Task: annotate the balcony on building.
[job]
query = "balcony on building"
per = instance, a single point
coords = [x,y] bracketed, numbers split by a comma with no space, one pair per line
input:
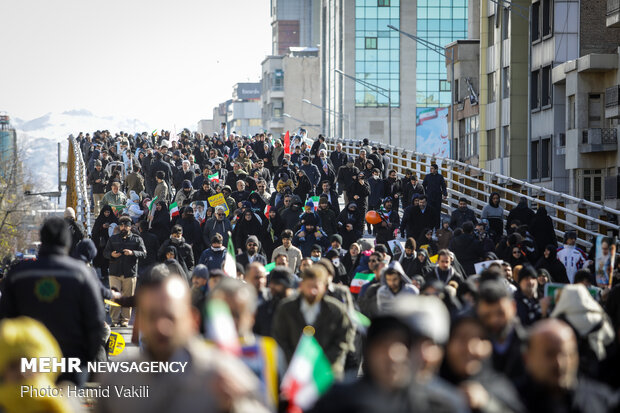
[598,140]
[613,13]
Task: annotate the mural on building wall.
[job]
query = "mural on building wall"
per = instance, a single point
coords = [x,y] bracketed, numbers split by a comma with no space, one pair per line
[432,135]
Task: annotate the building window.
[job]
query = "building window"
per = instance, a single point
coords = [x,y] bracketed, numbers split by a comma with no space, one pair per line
[456,90]
[540,158]
[535,92]
[546,88]
[371,43]
[377,52]
[547,18]
[491,145]
[561,140]
[595,111]
[571,112]
[444,85]
[278,79]
[592,185]
[506,82]
[471,136]
[505,23]
[506,140]
[491,30]
[535,30]
[491,87]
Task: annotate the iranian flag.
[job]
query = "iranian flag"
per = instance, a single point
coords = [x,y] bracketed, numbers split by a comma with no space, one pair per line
[308,376]
[174,210]
[214,178]
[220,326]
[315,201]
[267,209]
[230,261]
[359,280]
[152,203]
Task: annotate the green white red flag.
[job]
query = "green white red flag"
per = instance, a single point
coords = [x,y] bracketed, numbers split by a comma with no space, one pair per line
[220,326]
[308,376]
[359,280]
[230,260]
[174,210]
[214,178]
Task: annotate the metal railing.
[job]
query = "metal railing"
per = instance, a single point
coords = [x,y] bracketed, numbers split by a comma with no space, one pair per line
[587,218]
[598,136]
[78,196]
[611,94]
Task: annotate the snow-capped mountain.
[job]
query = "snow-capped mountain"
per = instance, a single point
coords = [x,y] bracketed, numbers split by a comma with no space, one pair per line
[38,139]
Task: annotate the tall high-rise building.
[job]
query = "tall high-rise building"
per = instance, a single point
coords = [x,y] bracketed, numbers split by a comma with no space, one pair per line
[356,39]
[441,23]
[294,23]
[8,145]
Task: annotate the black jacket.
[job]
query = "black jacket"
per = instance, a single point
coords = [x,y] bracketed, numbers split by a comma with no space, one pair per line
[98,188]
[468,251]
[460,216]
[151,243]
[61,293]
[126,265]
[185,254]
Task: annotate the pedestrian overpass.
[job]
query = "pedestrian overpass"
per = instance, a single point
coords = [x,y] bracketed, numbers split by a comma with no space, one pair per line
[588,219]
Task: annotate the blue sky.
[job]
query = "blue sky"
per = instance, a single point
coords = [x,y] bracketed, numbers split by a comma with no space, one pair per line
[164,62]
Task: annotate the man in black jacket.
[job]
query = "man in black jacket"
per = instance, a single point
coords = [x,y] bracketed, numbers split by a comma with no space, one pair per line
[462,214]
[338,157]
[435,189]
[467,248]
[61,293]
[123,250]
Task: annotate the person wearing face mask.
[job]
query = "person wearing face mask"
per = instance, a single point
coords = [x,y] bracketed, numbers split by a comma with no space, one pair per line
[123,250]
[340,272]
[290,215]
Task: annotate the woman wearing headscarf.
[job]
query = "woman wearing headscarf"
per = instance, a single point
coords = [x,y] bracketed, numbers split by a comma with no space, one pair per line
[352,259]
[304,186]
[549,261]
[248,225]
[541,228]
[494,213]
[275,226]
[100,236]
[422,265]
[160,222]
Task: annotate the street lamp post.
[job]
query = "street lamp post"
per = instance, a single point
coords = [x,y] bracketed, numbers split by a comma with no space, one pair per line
[441,51]
[379,90]
[340,115]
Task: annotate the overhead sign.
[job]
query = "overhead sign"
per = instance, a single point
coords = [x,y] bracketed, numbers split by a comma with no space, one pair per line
[245,91]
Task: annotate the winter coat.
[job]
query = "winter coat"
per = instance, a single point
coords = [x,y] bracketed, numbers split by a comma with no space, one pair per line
[160,225]
[184,255]
[542,229]
[520,212]
[329,223]
[460,216]
[212,226]
[435,187]
[126,265]
[101,235]
[385,229]
[376,191]
[468,251]
[386,297]
[213,258]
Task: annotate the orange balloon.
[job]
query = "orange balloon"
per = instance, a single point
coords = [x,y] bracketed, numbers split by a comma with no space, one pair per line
[373,217]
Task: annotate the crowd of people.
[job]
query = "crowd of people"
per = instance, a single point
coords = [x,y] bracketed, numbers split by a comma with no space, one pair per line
[416,308]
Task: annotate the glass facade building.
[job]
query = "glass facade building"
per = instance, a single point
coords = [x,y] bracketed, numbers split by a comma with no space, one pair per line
[440,22]
[377,51]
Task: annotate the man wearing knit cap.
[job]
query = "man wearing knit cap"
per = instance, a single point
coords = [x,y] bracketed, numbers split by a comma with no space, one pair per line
[251,254]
